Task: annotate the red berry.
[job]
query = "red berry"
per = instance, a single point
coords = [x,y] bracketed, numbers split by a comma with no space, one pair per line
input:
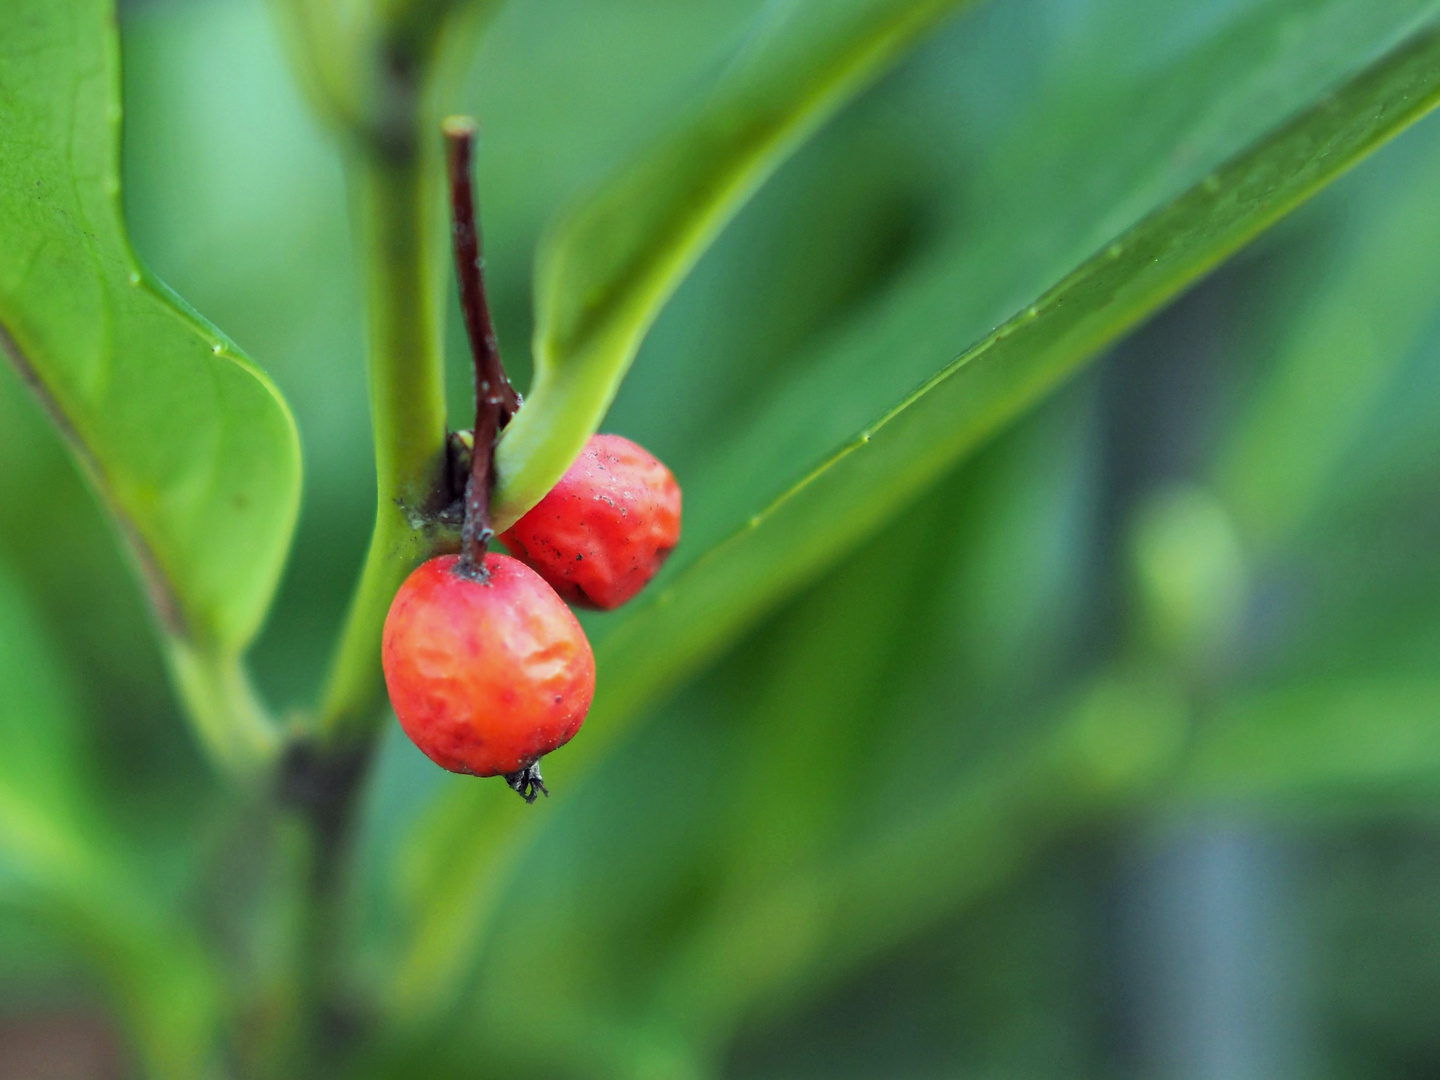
[606,528]
[487,672]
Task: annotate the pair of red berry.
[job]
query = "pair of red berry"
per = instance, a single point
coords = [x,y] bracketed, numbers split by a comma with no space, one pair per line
[487,668]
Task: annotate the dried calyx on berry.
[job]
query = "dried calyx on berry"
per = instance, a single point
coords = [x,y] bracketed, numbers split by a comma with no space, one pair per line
[527,782]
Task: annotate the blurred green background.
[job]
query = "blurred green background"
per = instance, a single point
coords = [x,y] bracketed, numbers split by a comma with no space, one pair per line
[1115,754]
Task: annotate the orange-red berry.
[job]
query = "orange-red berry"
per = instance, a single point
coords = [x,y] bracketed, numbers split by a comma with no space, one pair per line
[487,671]
[606,528]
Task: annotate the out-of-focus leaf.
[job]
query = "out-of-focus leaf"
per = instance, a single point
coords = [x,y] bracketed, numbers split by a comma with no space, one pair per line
[37,732]
[1343,708]
[842,822]
[1340,355]
[61,868]
[816,510]
[900,451]
[189,443]
[613,261]
[1378,735]
[1113,743]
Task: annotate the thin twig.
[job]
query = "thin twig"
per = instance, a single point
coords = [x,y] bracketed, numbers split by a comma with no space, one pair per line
[460,134]
[495,399]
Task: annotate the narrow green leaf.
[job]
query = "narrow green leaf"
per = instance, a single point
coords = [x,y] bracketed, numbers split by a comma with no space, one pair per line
[190,445]
[824,918]
[855,489]
[1359,736]
[1340,354]
[737,562]
[609,266]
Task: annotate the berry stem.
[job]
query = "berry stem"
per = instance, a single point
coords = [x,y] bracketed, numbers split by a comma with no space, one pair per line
[495,399]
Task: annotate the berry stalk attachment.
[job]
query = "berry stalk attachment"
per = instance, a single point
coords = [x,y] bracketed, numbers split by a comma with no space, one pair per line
[487,668]
[495,399]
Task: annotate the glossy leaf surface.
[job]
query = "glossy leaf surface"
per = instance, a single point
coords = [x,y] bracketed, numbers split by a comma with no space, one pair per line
[189,443]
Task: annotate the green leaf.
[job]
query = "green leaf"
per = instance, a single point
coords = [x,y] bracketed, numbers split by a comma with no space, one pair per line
[610,264]
[812,921]
[190,445]
[1362,736]
[853,490]
[863,734]
[62,868]
[1164,174]
[1340,354]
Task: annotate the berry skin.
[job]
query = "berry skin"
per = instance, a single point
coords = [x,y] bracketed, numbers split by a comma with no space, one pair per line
[486,674]
[606,528]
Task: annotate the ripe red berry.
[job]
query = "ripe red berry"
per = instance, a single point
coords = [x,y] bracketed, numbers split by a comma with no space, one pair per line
[487,671]
[606,528]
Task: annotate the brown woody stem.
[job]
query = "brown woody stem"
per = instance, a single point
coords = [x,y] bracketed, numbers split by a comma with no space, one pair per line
[495,399]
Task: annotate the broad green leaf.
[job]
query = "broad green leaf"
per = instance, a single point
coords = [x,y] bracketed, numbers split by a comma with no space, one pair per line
[1200,176]
[612,262]
[190,445]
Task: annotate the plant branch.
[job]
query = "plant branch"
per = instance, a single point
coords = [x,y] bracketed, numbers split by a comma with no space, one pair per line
[490,372]
[232,722]
[495,399]
[398,216]
[376,79]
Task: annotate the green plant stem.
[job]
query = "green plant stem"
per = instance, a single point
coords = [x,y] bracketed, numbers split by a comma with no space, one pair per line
[318,790]
[228,716]
[399,219]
